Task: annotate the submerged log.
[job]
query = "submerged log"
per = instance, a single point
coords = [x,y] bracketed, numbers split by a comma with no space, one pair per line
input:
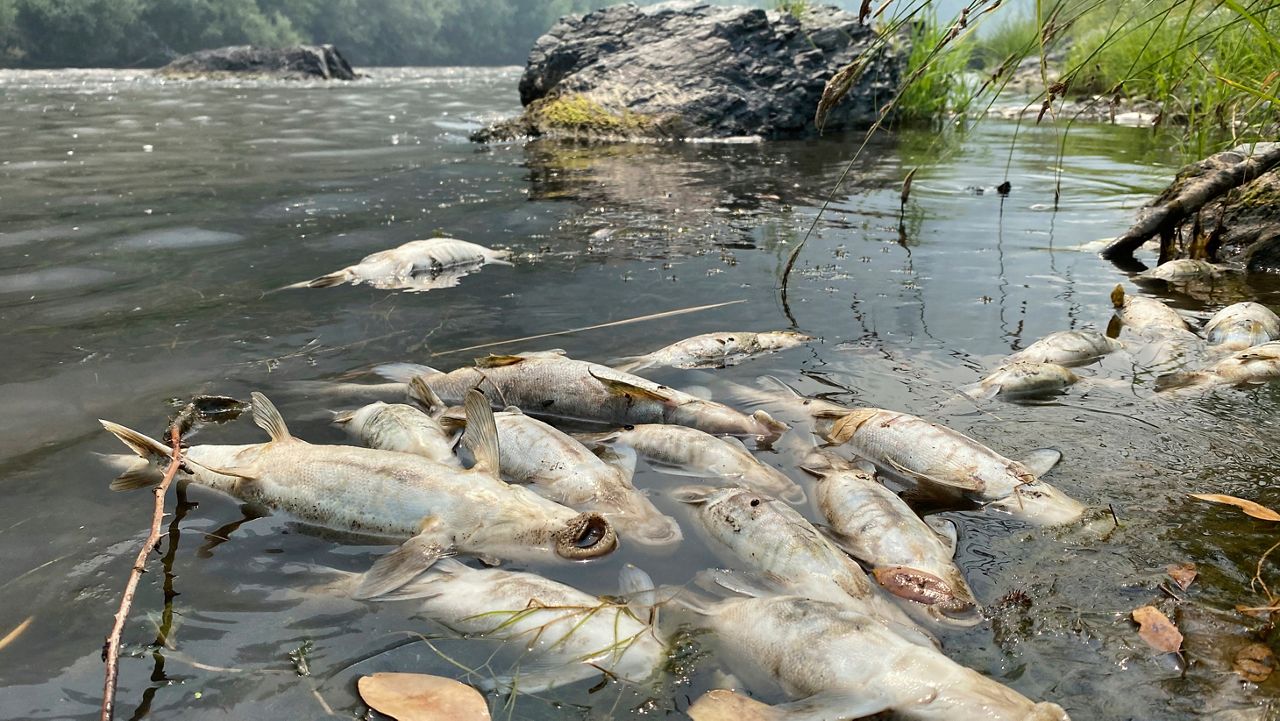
[1228,201]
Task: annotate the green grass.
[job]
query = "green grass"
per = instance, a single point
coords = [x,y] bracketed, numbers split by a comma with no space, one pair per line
[937,71]
[795,7]
[1014,36]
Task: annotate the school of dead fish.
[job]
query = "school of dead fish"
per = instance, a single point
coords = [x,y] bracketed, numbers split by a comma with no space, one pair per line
[841,616]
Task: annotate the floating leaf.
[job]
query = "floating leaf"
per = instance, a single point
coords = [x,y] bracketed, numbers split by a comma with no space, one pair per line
[1255,662]
[1157,630]
[723,705]
[419,697]
[1249,507]
[1182,573]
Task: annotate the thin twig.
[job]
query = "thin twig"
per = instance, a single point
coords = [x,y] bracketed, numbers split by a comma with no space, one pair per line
[111,649]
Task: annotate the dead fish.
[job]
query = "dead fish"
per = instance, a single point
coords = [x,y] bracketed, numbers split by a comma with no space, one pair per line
[1067,348]
[1138,312]
[398,266]
[1183,269]
[559,387]
[690,452]
[439,509]
[788,554]
[560,468]
[946,460]
[399,427]
[1167,349]
[907,557]
[841,663]
[1258,364]
[1242,325]
[713,350]
[564,635]
[1023,379]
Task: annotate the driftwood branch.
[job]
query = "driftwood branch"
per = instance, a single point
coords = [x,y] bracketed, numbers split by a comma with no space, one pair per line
[1179,203]
[111,649]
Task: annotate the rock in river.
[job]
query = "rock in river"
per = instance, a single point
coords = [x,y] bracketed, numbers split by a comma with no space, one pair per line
[684,69]
[300,62]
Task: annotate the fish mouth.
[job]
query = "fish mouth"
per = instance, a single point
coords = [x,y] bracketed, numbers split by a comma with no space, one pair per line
[921,587]
[657,531]
[588,535]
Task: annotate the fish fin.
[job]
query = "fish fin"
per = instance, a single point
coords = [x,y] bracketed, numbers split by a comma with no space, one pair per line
[481,436]
[968,484]
[637,587]
[620,387]
[422,394]
[744,583]
[847,424]
[626,364]
[620,458]
[425,587]
[1042,460]
[693,495]
[325,281]
[141,475]
[725,705]
[498,361]
[145,446]
[341,418]
[947,531]
[268,418]
[538,676]
[513,410]
[1117,296]
[404,372]
[735,442]
[1176,381]
[402,565]
[778,384]
[981,391]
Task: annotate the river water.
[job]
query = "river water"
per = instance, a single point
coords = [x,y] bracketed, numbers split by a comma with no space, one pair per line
[144,225]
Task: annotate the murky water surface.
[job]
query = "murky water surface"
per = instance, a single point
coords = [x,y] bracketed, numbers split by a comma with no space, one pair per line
[144,225]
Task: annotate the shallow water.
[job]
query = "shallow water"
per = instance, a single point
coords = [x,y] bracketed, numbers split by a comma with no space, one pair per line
[145,224]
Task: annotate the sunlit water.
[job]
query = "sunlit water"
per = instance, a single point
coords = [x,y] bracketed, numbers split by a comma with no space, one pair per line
[143,226]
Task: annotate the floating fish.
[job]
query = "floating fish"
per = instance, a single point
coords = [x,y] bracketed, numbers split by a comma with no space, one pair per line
[439,509]
[560,468]
[1138,312]
[945,460]
[399,427]
[1242,325]
[558,387]
[1183,269]
[564,635]
[416,263]
[713,350]
[907,557]
[787,554]
[1167,349]
[841,663]
[1258,364]
[1067,348]
[1023,379]
[688,451]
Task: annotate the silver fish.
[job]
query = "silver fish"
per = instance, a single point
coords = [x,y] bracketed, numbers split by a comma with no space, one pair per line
[404,266]
[1138,312]
[1167,349]
[906,556]
[1023,379]
[1242,325]
[564,635]
[840,663]
[713,350]
[788,554]
[688,451]
[947,460]
[399,427]
[1258,364]
[1067,348]
[439,509]
[560,468]
[559,387]
[1183,269]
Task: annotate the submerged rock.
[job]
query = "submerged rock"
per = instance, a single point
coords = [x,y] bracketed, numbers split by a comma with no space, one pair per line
[682,69]
[299,62]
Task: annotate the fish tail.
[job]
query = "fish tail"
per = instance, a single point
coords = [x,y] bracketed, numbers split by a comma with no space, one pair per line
[146,447]
[324,281]
[627,363]
[773,428]
[498,257]
[404,372]
[1175,381]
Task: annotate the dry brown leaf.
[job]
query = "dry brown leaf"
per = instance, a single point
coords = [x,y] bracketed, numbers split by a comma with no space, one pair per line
[1182,573]
[1255,662]
[1249,507]
[419,697]
[722,705]
[1157,630]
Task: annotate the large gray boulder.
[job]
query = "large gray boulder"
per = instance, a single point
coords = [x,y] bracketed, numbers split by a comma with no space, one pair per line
[687,69]
[322,62]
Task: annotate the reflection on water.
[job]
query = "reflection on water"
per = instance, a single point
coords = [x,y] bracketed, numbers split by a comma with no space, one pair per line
[144,222]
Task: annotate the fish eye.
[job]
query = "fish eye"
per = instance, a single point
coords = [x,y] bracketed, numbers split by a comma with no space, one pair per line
[593,532]
[755,502]
[628,427]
